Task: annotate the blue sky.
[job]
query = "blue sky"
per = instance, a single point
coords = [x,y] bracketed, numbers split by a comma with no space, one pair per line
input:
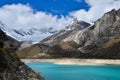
[55,7]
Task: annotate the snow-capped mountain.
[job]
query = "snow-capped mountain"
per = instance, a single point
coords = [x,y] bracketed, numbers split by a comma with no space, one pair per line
[32,34]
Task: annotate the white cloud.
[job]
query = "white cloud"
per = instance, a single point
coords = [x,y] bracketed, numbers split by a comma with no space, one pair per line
[23,18]
[19,16]
[97,9]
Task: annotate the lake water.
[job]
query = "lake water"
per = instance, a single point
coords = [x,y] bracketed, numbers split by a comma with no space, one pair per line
[76,72]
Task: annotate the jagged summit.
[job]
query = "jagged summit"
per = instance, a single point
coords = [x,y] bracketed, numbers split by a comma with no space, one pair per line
[75,21]
[75,24]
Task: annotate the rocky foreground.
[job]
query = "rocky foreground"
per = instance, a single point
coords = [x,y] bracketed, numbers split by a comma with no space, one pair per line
[11,68]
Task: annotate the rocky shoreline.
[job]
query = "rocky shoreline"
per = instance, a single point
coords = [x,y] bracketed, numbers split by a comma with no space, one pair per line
[66,61]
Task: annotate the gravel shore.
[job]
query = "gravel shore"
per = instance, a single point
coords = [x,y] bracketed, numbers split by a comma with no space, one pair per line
[67,61]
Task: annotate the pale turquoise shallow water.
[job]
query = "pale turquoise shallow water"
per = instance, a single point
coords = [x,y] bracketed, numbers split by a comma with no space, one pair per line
[75,72]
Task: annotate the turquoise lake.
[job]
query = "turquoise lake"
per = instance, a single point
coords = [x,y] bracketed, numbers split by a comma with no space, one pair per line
[76,72]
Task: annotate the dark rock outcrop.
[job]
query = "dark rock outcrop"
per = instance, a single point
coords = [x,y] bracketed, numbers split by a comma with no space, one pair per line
[11,68]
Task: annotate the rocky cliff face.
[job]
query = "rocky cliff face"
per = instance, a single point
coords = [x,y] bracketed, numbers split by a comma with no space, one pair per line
[11,68]
[102,31]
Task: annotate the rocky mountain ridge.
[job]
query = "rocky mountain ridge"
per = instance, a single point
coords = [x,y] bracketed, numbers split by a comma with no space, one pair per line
[64,33]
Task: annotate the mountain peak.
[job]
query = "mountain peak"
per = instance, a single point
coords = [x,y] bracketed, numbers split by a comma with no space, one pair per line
[75,21]
[75,24]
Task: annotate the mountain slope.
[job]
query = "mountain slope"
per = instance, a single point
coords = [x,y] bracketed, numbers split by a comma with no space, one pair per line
[33,51]
[110,49]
